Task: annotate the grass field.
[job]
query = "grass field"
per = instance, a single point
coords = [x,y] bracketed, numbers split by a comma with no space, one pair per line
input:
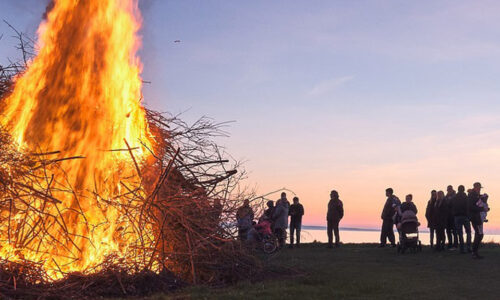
[363,271]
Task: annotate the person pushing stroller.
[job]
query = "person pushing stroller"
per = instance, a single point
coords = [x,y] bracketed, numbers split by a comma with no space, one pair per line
[408,226]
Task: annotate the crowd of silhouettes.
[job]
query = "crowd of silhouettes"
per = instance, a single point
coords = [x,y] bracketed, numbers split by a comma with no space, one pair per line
[273,221]
[448,215]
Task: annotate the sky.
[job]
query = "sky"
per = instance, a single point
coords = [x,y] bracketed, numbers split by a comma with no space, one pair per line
[355,96]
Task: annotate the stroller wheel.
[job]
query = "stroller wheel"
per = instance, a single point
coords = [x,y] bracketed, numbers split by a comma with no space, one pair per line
[269,247]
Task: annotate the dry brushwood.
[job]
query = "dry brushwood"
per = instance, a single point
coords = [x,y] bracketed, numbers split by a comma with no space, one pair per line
[181,206]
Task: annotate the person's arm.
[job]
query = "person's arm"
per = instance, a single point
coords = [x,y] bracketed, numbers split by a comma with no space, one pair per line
[301,212]
[387,208]
[473,206]
[341,210]
[428,211]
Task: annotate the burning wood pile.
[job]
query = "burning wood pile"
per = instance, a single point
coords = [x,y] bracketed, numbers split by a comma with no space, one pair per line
[99,196]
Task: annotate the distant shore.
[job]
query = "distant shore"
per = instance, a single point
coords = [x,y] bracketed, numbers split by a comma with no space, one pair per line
[421,229]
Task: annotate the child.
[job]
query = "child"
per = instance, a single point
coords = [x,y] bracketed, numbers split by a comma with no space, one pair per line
[483,202]
[264,226]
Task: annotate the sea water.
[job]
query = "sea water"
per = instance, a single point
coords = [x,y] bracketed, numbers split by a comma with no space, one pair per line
[358,235]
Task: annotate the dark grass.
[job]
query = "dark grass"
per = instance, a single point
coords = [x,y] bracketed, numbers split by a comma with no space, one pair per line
[363,271]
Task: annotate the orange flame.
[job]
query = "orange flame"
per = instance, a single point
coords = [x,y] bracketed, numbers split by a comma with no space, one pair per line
[81,95]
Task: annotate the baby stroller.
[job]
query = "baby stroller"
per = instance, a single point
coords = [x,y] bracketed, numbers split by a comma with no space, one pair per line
[264,236]
[408,233]
[269,243]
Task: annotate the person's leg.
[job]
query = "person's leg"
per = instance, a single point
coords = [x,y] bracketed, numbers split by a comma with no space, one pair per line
[468,234]
[298,227]
[390,233]
[336,230]
[277,234]
[455,236]
[292,230]
[459,231]
[448,236]
[441,238]
[383,233]
[438,239]
[431,232]
[478,237]
[329,232]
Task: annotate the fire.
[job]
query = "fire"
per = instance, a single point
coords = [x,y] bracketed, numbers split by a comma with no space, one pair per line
[81,96]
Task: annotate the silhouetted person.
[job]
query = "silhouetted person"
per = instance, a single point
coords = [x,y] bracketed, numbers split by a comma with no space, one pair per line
[280,219]
[451,233]
[388,214]
[295,212]
[334,214]
[270,209]
[408,204]
[429,211]
[460,211]
[440,220]
[244,217]
[475,218]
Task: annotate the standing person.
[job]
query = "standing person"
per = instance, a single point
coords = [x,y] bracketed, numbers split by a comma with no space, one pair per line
[295,212]
[280,219]
[451,233]
[428,215]
[270,209]
[475,218]
[460,210]
[334,214]
[244,218]
[388,213]
[440,220]
[408,204]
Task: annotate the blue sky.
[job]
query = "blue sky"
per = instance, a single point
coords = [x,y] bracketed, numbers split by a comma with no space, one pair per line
[353,95]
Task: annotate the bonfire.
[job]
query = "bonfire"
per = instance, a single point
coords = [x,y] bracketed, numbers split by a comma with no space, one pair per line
[96,190]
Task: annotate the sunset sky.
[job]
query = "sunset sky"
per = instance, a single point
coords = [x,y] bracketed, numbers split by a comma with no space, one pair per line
[355,96]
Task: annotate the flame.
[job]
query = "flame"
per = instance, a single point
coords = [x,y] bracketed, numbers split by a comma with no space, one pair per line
[81,95]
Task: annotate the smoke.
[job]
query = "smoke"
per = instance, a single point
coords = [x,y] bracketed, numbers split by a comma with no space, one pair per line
[48,8]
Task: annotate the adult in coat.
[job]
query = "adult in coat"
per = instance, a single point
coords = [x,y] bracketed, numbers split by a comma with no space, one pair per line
[334,214]
[475,217]
[295,212]
[244,218]
[451,232]
[428,215]
[388,213]
[440,220]
[280,219]
[460,211]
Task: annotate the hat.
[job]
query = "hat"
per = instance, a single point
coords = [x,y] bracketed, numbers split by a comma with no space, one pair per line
[477,184]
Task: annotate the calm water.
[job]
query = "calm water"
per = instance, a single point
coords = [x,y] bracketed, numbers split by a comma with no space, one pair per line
[361,236]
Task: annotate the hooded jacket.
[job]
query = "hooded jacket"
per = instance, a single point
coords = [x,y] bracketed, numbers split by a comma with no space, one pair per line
[280,214]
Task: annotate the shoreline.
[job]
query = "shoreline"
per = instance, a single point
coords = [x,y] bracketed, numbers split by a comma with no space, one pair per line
[360,229]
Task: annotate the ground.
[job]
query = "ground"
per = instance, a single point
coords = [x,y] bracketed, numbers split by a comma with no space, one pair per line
[363,271]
